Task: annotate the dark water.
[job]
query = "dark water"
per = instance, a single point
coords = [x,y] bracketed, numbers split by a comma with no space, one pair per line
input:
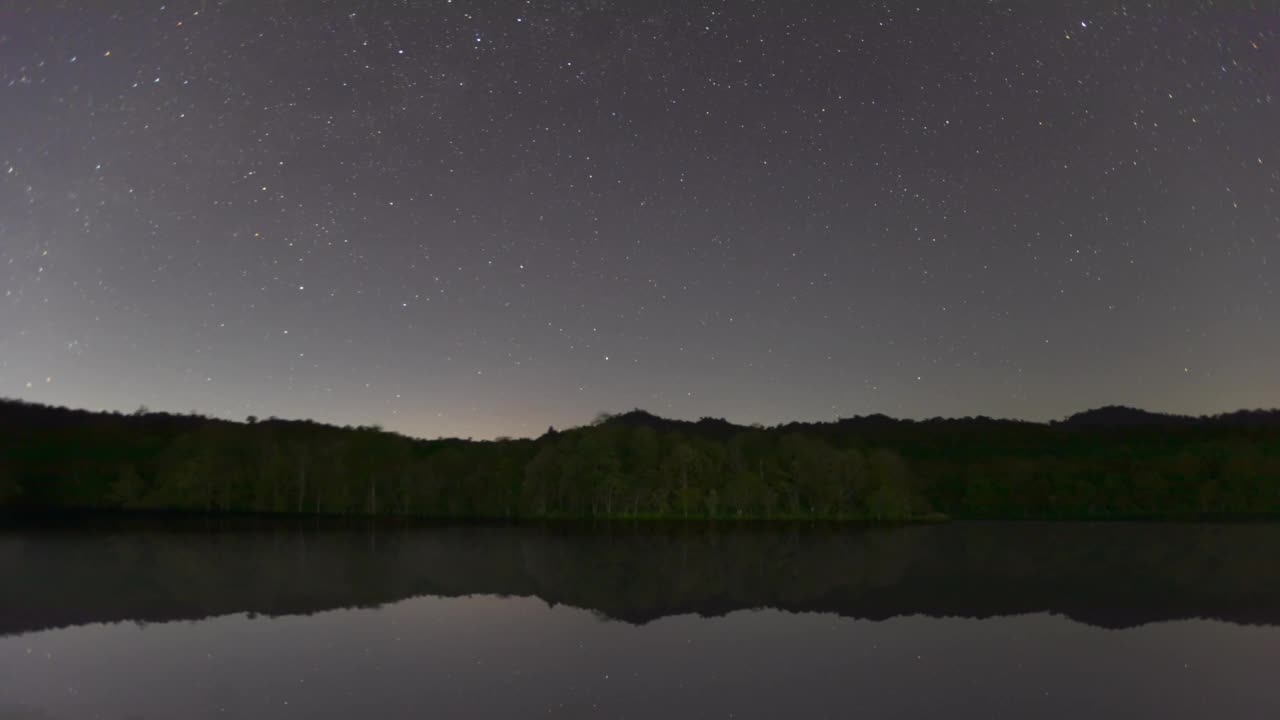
[957,621]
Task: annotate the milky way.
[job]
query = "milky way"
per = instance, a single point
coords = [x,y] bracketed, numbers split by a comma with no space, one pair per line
[484,218]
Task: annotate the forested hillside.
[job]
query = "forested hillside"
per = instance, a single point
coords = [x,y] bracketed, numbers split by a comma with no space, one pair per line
[1113,462]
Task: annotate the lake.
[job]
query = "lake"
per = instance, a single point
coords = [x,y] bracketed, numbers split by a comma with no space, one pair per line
[238,620]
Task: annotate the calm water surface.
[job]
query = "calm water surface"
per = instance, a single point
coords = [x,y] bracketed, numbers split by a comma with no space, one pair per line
[957,621]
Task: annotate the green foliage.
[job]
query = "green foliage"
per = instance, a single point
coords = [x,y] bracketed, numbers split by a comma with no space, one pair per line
[127,490]
[892,495]
[10,490]
[636,465]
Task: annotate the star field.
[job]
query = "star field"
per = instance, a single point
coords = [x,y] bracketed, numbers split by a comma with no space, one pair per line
[484,218]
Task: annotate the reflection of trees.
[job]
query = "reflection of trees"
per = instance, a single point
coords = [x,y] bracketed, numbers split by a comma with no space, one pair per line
[1106,574]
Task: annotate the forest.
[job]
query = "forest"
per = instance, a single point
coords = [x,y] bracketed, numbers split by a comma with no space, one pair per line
[1108,463]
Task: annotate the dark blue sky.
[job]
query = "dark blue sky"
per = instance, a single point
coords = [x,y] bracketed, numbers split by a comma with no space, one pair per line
[484,218]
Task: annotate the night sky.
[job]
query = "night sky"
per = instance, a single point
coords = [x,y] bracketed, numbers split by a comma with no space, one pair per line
[484,218]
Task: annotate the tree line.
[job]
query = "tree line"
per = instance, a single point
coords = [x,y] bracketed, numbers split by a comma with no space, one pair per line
[1109,463]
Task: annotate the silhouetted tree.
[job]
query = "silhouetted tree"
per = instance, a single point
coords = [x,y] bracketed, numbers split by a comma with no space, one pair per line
[1115,463]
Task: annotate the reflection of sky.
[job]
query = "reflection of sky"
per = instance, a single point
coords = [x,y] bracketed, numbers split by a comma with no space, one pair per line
[488,657]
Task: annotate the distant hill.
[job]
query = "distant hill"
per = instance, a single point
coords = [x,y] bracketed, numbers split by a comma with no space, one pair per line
[27,415]
[1107,417]
[1119,416]
[706,427]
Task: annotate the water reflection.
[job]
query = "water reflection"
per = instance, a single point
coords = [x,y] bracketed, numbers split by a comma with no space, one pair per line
[489,657]
[960,621]
[1107,575]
